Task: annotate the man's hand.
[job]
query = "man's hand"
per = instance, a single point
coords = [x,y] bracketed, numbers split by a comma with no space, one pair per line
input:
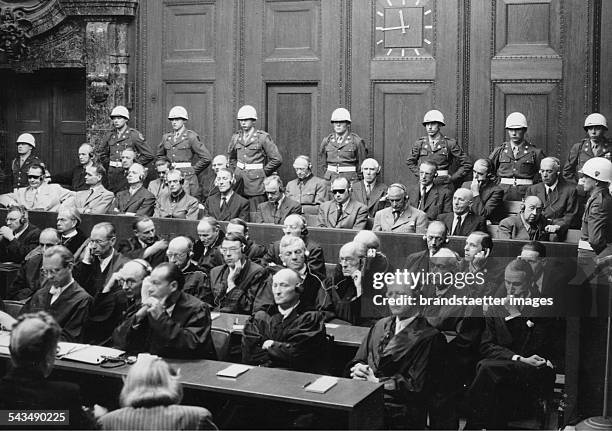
[267,344]
[156,307]
[87,256]
[480,258]
[511,306]
[356,276]
[233,272]
[363,372]
[115,278]
[534,360]
[475,187]
[160,245]
[552,228]
[7,233]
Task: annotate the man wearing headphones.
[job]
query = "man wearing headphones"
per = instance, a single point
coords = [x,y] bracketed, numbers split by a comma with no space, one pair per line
[400,216]
[254,251]
[39,195]
[462,221]
[137,200]
[180,251]
[68,221]
[145,244]
[227,204]
[239,285]
[369,191]
[210,189]
[433,199]
[289,334]
[206,249]
[307,189]
[488,197]
[278,206]
[21,164]
[529,224]
[177,203]
[342,212]
[436,238]
[18,237]
[74,179]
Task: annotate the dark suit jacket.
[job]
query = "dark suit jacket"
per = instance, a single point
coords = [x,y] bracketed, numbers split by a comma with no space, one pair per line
[489,202]
[86,275]
[373,203]
[237,206]
[315,260]
[141,203]
[133,249]
[184,334]
[69,310]
[17,249]
[438,201]
[471,223]
[354,215]
[562,204]
[28,279]
[512,228]
[267,213]
[418,261]
[74,242]
[73,179]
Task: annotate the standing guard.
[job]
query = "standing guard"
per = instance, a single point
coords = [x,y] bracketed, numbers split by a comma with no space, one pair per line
[185,150]
[342,151]
[253,156]
[25,157]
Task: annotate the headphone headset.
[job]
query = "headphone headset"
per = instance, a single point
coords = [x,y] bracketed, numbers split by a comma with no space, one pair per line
[306,159]
[399,186]
[23,219]
[147,267]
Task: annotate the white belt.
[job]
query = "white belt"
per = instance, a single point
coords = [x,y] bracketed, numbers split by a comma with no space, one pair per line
[182,164]
[249,166]
[338,169]
[584,245]
[115,164]
[442,173]
[516,181]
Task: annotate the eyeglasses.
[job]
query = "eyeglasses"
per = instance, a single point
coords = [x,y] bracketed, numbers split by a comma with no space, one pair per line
[34,177]
[50,271]
[128,282]
[339,191]
[42,244]
[228,249]
[171,255]
[10,219]
[99,241]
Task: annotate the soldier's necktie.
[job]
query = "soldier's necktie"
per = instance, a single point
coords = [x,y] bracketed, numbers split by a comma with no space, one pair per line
[515,151]
[595,147]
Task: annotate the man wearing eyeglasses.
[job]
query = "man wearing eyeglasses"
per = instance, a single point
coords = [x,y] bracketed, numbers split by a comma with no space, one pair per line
[239,285]
[342,212]
[39,195]
[179,252]
[136,200]
[18,237]
[145,243]
[98,259]
[177,203]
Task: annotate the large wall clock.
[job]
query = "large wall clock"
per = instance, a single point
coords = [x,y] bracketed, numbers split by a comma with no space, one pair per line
[404,28]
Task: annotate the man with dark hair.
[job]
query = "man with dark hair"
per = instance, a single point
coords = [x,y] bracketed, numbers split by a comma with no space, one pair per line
[254,251]
[289,334]
[433,199]
[477,260]
[145,243]
[95,199]
[18,237]
[159,185]
[342,211]
[278,206]
[239,285]
[170,322]
[227,204]
[68,220]
[488,197]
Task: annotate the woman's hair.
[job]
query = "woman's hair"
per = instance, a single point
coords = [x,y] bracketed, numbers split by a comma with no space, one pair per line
[151,382]
[34,341]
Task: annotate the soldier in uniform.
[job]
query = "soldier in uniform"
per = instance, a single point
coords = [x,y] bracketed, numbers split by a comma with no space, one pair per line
[440,149]
[253,156]
[516,163]
[21,164]
[109,151]
[185,150]
[342,151]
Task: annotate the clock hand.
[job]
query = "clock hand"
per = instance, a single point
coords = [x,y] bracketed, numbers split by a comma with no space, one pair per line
[401,14]
[401,27]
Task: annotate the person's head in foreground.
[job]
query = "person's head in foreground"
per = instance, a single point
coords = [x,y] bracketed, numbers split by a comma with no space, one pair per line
[33,344]
[151,382]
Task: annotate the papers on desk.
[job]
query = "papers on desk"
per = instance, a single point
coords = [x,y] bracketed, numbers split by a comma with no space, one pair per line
[322,384]
[5,338]
[87,353]
[214,315]
[234,370]
[237,327]
[331,325]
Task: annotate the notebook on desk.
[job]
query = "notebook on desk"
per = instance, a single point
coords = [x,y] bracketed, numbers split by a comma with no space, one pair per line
[89,354]
[322,384]
[234,370]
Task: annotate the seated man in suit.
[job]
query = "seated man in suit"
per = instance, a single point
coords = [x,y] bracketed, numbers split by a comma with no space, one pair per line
[254,251]
[278,206]
[342,212]
[98,259]
[18,237]
[180,250]
[239,285]
[95,199]
[400,216]
[33,348]
[295,225]
[289,334]
[529,224]
[488,197]
[169,322]
[145,244]
[560,198]
[136,200]
[75,179]
[511,348]
[159,185]
[29,279]
[60,295]
[206,250]
[462,221]
[68,221]
[436,238]
[307,189]
[118,182]
[432,199]
[177,203]
[404,352]
[477,252]
[369,191]
[210,189]
[227,204]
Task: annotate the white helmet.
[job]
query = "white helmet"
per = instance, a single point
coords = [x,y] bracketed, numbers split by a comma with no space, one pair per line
[595,119]
[178,112]
[26,138]
[598,168]
[434,116]
[246,112]
[516,120]
[120,111]
[341,114]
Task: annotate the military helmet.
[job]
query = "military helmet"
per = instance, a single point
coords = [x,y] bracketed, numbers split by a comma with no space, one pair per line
[595,119]
[598,168]
[26,138]
[341,114]
[120,111]
[178,112]
[516,120]
[246,112]
[434,116]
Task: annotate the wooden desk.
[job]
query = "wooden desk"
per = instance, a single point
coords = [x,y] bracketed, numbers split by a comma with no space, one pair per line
[344,335]
[360,402]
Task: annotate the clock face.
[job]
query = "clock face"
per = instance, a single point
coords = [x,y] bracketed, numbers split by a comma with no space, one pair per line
[404,28]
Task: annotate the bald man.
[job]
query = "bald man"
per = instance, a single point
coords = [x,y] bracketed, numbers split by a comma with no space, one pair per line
[288,334]
[462,221]
[529,224]
[369,191]
[137,200]
[307,189]
[74,179]
[436,238]
[180,251]
[342,211]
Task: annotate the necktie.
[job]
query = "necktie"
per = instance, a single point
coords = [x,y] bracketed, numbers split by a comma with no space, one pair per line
[54,292]
[422,199]
[386,338]
[339,213]
[396,215]
[64,239]
[547,195]
[368,190]
[89,195]
[595,148]
[515,151]
[457,225]
[223,204]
